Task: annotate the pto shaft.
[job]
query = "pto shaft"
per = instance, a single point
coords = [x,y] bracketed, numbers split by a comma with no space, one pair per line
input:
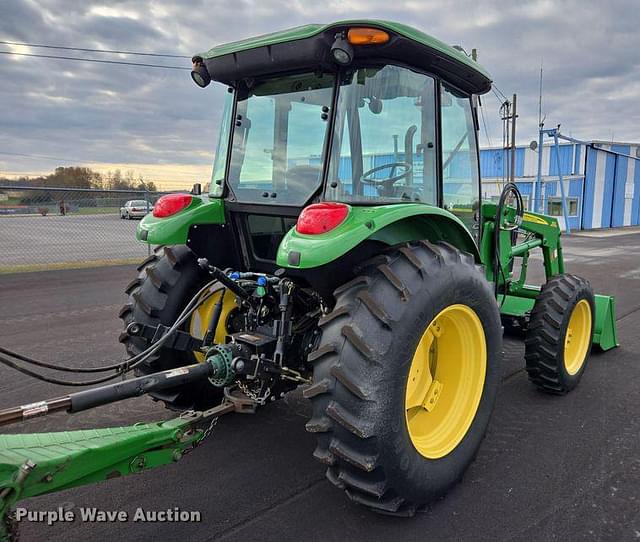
[111,393]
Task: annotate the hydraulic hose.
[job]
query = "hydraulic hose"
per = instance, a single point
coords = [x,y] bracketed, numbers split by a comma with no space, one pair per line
[122,367]
[61,368]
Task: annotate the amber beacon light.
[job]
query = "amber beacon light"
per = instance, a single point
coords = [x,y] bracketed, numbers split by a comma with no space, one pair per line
[367,36]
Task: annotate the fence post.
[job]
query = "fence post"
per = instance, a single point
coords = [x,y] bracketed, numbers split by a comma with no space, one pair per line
[146,200]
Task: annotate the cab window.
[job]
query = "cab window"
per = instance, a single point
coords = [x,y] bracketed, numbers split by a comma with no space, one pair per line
[460,178]
[384,140]
[278,139]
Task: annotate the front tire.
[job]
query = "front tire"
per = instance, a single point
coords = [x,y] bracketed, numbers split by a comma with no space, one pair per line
[560,333]
[367,383]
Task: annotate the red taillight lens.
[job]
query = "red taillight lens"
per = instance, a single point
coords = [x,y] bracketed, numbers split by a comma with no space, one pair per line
[321,217]
[170,204]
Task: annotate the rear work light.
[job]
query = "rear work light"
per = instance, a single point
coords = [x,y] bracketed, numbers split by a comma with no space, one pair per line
[321,217]
[367,36]
[171,204]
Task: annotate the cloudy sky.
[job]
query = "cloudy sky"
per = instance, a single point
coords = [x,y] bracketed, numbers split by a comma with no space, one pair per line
[157,123]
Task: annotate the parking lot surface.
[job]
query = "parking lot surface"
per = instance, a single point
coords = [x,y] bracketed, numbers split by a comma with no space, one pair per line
[51,239]
[550,468]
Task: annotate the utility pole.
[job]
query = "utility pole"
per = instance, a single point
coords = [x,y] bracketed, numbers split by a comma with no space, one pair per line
[514,116]
[538,186]
[509,115]
[540,99]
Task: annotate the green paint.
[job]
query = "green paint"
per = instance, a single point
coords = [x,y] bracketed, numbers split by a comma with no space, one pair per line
[515,305]
[73,458]
[604,328]
[521,297]
[174,230]
[390,224]
[310,30]
[545,233]
[526,291]
[604,333]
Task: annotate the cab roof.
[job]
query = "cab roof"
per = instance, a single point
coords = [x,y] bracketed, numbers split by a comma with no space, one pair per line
[309,46]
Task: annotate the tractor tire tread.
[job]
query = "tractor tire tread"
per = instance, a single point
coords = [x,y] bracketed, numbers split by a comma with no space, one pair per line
[544,339]
[166,281]
[346,439]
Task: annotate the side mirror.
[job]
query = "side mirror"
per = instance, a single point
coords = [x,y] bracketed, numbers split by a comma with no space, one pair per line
[199,73]
[197,189]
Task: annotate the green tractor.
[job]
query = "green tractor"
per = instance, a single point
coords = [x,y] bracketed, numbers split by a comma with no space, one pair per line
[343,246]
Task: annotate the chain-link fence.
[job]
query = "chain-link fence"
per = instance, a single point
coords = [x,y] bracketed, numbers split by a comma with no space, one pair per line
[49,228]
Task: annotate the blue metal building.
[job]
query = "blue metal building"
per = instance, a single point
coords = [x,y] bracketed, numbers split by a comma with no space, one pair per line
[601,181]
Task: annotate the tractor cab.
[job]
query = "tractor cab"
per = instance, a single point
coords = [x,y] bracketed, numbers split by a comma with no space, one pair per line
[362,113]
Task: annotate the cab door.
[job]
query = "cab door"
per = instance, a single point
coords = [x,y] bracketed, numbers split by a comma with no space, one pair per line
[459,158]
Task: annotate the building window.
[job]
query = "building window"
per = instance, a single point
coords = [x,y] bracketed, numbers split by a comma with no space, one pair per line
[554,206]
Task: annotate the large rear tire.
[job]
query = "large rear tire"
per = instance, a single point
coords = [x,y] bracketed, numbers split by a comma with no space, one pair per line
[167,280]
[405,377]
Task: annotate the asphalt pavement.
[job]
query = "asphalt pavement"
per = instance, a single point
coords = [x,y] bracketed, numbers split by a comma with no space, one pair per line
[550,468]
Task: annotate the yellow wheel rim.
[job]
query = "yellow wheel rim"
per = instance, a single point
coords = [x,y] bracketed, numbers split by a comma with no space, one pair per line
[199,321]
[445,381]
[578,337]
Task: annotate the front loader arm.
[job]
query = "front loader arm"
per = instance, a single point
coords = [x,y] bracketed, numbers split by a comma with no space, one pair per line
[516,298]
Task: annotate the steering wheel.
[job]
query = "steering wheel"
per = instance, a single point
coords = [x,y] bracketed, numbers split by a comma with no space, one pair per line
[389,181]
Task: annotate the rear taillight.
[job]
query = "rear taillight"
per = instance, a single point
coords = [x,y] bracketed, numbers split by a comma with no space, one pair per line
[321,217]
[171,204]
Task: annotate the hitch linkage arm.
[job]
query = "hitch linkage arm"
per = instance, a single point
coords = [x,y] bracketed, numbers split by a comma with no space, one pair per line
[40,463]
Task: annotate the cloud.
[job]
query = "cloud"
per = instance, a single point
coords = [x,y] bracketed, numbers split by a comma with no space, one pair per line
[95,113]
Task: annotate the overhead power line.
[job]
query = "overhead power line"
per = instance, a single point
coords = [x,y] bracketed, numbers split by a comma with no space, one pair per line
[484,123]
[499,94]
[108,51]
[501,99]
[96,60]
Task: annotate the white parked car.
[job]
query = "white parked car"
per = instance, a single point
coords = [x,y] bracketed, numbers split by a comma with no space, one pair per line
[136,208]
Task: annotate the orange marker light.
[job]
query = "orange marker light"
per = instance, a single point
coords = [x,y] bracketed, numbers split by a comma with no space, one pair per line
[367,36]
